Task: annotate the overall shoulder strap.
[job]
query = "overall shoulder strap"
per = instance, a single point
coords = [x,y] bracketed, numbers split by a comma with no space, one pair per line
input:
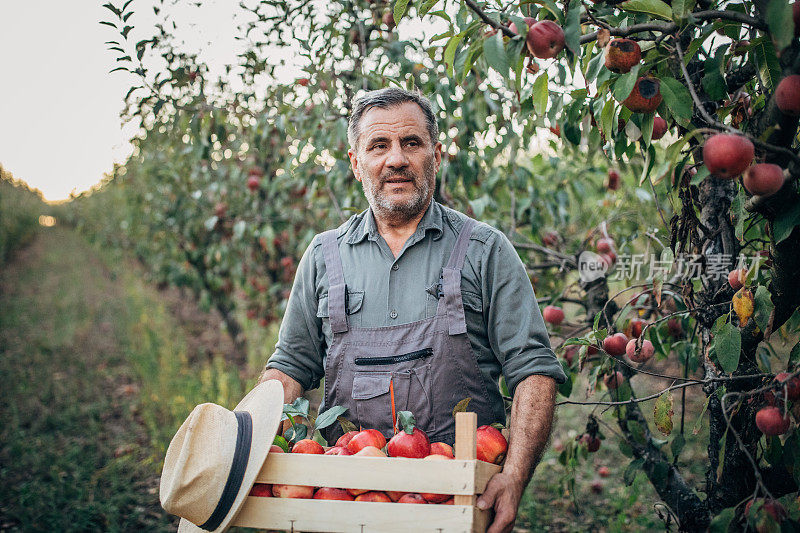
[451,281]
[336,287]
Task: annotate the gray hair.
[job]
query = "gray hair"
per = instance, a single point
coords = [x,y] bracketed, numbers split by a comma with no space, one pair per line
[386,99]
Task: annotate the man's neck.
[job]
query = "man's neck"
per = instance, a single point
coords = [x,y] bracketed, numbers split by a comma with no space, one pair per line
[397,231]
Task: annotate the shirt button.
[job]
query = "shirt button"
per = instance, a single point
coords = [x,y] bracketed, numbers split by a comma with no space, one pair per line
[395,267]
[393,314]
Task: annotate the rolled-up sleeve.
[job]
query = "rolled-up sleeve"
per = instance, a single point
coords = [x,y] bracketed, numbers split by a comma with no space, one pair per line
[515,328]
[301,344]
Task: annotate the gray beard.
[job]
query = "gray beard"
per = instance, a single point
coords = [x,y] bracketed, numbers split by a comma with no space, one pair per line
[398,212]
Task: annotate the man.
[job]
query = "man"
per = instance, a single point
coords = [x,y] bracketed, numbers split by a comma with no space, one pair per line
[413,306]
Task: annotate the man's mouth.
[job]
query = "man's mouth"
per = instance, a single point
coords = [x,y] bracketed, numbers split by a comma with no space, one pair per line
[398,180]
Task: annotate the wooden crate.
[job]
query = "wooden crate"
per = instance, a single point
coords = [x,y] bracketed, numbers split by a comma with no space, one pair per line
[465,477]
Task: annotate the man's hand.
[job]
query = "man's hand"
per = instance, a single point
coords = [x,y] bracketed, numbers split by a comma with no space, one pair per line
[291,389]
[529,430]
[503,493]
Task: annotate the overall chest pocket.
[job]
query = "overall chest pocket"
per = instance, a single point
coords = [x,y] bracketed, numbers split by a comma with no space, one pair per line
[353,303]
[412,390]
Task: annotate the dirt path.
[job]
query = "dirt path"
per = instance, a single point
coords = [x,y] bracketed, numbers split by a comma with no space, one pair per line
[73,454]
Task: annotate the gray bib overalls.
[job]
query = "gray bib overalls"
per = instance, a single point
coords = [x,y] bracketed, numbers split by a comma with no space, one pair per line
[429,363]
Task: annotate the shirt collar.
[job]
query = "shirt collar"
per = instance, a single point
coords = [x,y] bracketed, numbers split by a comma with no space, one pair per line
[368,228]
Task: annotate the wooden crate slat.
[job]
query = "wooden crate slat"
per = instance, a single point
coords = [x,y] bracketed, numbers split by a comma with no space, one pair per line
[483,472]
[466,448]
[358,517]
[375,473]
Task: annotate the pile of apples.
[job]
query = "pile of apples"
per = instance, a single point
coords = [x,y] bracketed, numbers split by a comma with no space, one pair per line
[492,447]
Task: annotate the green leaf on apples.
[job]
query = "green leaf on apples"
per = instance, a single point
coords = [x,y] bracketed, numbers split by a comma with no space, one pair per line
[426,6]
[763,307]
[346,425]
[329,416]
[677,445]
[656,8]
[785,222]
[282,443]
[662,413]
[495,54]
[780,23]
[632,469]
[299,407]
[767,61]
[794,357]
[624,85]
[406,421]
[551,6]
[727,346]
[677,99]
[721,523]
[400,9]
[572,27]
[540,93]
[461,407]
[713,81]
[296,432]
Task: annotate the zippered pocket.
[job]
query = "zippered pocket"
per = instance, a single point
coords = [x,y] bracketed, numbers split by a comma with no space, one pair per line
[394,359]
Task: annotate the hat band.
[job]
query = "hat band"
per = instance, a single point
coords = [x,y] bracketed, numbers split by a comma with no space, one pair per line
[244,436]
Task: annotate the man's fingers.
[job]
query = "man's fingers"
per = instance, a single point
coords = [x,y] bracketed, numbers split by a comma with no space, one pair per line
[503,522]
[486,500]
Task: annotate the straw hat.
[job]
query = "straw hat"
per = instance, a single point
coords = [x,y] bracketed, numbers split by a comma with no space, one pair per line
[214,458]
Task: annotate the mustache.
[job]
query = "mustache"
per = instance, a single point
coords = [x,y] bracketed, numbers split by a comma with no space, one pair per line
[401,174]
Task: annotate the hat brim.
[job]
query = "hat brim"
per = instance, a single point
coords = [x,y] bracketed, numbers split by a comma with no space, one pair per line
[265,405]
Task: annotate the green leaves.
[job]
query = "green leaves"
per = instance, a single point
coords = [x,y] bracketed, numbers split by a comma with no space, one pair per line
[662,413]
[780,23]
[426,6]
[785,222]
[400,9]
[461,407]
[572,28]
[677,99]
[625,83]
[495,54]
[713,81]
[657,8]
[329,416]
[767,61]
[727,344]
[540,93]
[406,421]
[764,307]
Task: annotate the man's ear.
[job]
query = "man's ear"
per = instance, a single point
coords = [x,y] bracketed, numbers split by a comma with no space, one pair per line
[437,154]
[354,164]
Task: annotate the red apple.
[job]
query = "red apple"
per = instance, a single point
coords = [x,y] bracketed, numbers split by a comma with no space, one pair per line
[220,209]
[330,493]
[777,513]
[550,238]
[344,439]
[615,344]
[727,155]
[604,471]
[622,55]
[292,491]
[645,96]
[261,489]
[395,495]
[275,449]
[791,385]
[552,314]
[736,278]
[370,451]
[613,180]
[545,39]
[597,486]
[492,445]
[674,327]
[592,443]
[570,352]
[635,328]
[609,259]
[338,450]
[308,446]
[771,422]
[764,179]
[787,94]
[303,82]
[373,496]
[605,244]
[645,353]
[411,497]
[659,128]
[441,448]
[368,437]
[449,502]
[253,183]
[414,445]
[613,380]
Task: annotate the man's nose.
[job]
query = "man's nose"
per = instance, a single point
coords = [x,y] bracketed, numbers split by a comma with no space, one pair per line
[396,158]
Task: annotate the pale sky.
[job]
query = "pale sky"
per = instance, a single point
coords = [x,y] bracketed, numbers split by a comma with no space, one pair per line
[59,107]
[60,129]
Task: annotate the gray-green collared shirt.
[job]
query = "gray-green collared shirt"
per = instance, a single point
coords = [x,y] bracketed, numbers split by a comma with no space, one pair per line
[504,324]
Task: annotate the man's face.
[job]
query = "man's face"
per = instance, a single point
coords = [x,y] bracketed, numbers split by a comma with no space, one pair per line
[396,161]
